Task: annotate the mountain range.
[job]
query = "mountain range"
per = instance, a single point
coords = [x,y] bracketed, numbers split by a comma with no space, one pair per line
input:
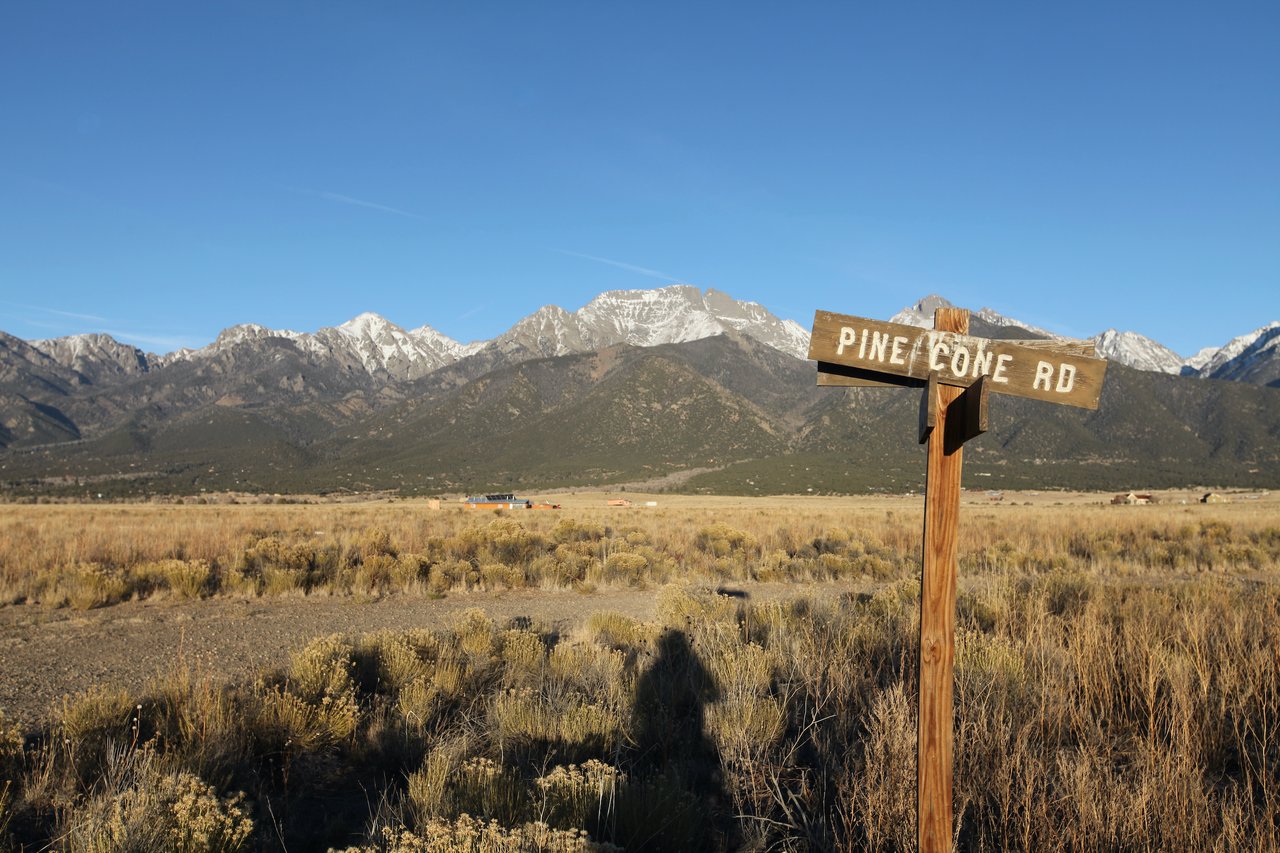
[674,385]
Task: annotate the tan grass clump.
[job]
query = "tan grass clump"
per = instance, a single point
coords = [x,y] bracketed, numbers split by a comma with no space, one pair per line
[150,810]
[466,834]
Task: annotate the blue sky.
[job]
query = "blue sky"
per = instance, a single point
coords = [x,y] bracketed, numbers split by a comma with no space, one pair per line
[169,169]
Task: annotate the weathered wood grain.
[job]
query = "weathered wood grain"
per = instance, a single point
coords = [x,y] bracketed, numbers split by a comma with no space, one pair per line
[938,605]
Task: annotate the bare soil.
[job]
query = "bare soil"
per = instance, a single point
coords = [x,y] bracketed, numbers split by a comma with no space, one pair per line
[48,654]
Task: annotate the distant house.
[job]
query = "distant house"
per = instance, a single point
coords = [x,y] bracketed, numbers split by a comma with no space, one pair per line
[1132,499]
[619,502]
[1213,498]
[501,501]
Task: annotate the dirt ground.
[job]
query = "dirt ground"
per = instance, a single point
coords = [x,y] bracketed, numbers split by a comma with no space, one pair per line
[47,654]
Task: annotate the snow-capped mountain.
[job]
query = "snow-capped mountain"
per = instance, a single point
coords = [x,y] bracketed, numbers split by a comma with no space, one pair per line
[921,315]
[384,351]
[644,318]
[376,351]
[1137,351]
[367,342]
[997,319]
[1211,362]
[97,357]
[1254,357]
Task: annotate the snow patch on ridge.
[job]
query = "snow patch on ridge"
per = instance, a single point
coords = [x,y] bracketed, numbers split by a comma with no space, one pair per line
[1138,351]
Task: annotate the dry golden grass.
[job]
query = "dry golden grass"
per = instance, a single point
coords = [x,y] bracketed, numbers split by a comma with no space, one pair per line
[1117,684]
[86,556]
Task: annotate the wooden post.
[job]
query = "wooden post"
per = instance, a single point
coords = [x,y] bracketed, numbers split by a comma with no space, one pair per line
[938,605]
[958,373]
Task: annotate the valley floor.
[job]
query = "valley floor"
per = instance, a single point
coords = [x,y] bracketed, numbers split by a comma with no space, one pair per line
[46,655]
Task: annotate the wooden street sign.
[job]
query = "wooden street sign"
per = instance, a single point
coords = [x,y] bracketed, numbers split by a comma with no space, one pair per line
[861,352]
[958,373]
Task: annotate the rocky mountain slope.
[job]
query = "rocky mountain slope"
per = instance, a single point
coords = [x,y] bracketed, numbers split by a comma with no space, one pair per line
[634,385]
[1254,357]
[730,413]
[336,372]
[1137,351]
[646,318]
[367,343]
[98,358]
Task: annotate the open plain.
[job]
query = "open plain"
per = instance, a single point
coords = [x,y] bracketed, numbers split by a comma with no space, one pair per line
[391,675]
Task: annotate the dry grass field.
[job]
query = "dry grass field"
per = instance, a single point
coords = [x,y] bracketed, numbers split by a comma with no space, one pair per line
[1117,677]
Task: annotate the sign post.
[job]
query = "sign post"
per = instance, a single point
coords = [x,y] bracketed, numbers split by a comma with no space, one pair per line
[957,373]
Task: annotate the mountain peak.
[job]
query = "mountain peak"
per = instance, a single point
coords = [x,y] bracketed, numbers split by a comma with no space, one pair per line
[1138,351]
[921,314]
[678,313]
[367,324]
[96,356]
[248,332]
[1254,357]
[932,303]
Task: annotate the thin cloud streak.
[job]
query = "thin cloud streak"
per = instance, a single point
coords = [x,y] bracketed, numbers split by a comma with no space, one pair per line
[623,266]
[94,318]
[172,343]
[358,202]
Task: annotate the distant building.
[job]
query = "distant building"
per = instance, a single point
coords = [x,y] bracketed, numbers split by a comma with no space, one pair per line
[502,501]
[1132,499]
[1213,498]
[506,500]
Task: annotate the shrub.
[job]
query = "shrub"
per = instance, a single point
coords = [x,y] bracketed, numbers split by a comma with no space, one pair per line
[92,585]
[376,574]
[569,530]
[625,567]
[160,812]
[375,542]
[466,834]
[523,657]
[620,631]
[720,540]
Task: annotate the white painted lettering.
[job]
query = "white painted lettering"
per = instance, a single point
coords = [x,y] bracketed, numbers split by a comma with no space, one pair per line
[895,356]
[879,343]
[1002,361]
[934,351]
[1066,378]
[862,345]
[982,363]
[1044,373]
[960,361]
[847,338]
